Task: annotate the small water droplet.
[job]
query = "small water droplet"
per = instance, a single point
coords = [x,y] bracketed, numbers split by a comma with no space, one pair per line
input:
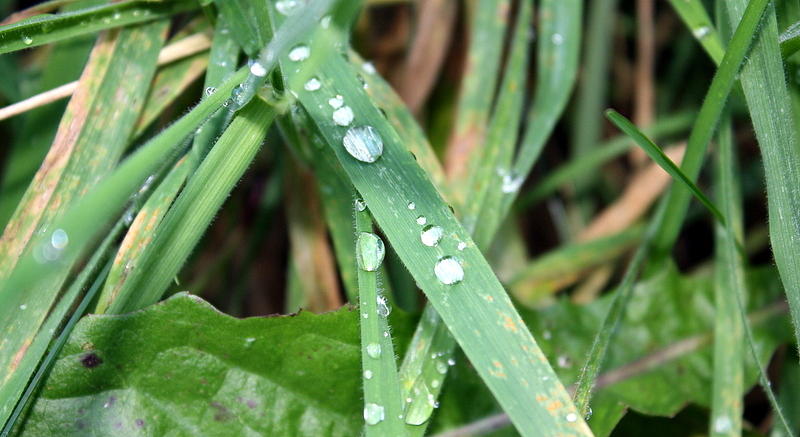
[336,102]
[368,67]
[374,350]
[547,335]
[59,239]
[369,251]
[448,270]
[511,183]
[373,414]
[128,218]
[558,39]
[572,417]
[412,206]
[249,341]
[431,235]
[27,40]
[368,374]
[23,307]
[701,32]
[435,383]
[343,116]
[461,245]
[563,361]
[361,205]
[441,367]
[421,220]
[384,309]
[588,414]
[451,362]
[117,15]
[325,21]
[210,90]
[287,7]
[722,424]
[313,84]
[256,69]
[363,143]
[299,53]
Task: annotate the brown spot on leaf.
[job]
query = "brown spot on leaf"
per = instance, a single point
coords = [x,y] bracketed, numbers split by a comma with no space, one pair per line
[91,360]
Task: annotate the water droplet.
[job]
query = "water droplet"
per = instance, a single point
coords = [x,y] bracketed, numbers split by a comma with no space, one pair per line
[369,251]
[59,239]
[336,102]
[23,307]
[547,335]
[368,374]
[368,68]
[441,367]
[431,235]
[299,53]
[287,7]
[511,183]
[588,414]
[373,414]
[421,220]
[27,40]
[374,350]
[448,270]
[563,361]
[128,218]
[325,21]
[461,245]
[343,116]
[572,417]
[451,362]
[365,315]
[363,143]
[249,341]
[313,84]
[210,90]
[384,309]
[412,206]
[558,39]
[419,408]
[256,69]
[722,424]
[435,383]
[701,32]
[361,205]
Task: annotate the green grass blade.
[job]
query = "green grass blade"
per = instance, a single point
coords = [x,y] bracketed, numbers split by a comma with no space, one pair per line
[790,40]
[768,99]
[383,408]
[511,363]
[656,154]
[671,210]
[47,28]
[694,15]
[194,209]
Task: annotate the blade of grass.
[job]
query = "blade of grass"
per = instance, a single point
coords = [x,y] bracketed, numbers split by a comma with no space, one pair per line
[92,136]
[764,85]
[670,212]
[656,154]
[511,363]
[45,29]
[383,408]
[694,16]
[194,209]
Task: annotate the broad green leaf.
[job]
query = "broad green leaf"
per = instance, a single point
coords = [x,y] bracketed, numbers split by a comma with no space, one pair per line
[183,368]
[48,28]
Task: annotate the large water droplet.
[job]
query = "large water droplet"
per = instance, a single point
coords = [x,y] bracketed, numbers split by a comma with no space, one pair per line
[419,410]
[448,270]
[369,251]
[313,84]
[59,239]
[373,414]
[431,235]
[363,143]
[299,53]
[374,350]
[384,309]
[343,116]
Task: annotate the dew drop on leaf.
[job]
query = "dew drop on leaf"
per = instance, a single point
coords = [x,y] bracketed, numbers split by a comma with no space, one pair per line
[448,270]
[572,417]
[384,309]
[360,205]
[374,350]
[336,102]
[287,7]
[368,374]
[313,84]
[373,413]
[27,40]
[59,239]
[299,53]
[412,206]
[431,235]
[369,251]
[343,116]
[363,143]
[421,220]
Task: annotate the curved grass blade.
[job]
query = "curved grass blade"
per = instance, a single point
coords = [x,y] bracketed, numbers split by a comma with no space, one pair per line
[46,28]
[194,209]
[656,154]
[671,210]
[768,99]
[790,40]
[383,410]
